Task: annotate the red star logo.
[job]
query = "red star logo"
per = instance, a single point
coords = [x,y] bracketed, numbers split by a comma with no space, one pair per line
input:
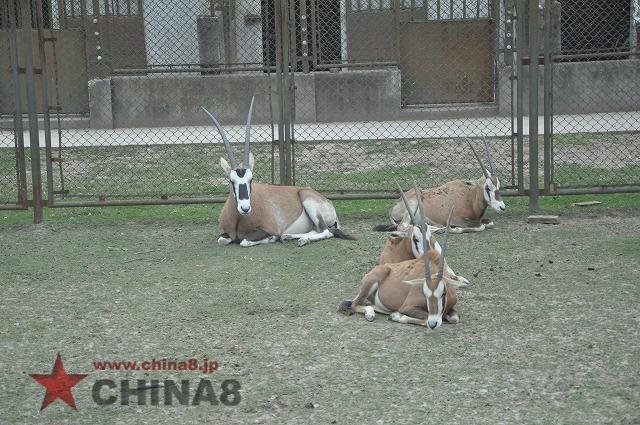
[58,385]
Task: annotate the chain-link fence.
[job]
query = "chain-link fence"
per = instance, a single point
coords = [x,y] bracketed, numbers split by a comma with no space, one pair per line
[150,69]
[596,93]
[350,94]
[372,123]
[12,173]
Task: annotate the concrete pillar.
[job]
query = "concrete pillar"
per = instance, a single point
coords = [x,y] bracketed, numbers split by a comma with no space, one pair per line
[100,104]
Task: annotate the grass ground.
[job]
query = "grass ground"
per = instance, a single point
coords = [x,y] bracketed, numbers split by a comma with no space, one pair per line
[548,330]
[187,170]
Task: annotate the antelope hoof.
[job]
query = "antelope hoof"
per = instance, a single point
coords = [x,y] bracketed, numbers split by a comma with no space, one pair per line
[222,241]
[452,318]
[489,225]
[303,241]
[286,237]
[245,243]
[369,313]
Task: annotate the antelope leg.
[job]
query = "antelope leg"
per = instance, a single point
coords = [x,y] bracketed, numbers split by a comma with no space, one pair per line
[452,317]
[224,239]
[468,229]
[488,223]
[367,310]
[257,237]
[412,316]
[305,238]
[396,316]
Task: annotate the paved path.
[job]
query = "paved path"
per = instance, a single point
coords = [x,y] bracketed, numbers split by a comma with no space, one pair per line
[450,128]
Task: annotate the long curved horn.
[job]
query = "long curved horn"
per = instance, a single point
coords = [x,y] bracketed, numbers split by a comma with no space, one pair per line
[490,158]
[484,170]
[425,249]
[227,145]
[422,220]
[412,217]
[444,245]
[247,135]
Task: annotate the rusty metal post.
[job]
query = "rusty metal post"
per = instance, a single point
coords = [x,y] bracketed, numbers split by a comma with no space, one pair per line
[283,62]
[633,28]
[533,105]
[34,139]
[45,102]
[548,98]
[520,47]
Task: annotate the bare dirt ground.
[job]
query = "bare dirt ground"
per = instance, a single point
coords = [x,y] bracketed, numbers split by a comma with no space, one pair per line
[549,328]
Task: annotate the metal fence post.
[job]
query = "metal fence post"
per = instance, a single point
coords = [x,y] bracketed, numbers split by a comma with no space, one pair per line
[633,28]
[283,62]
[520,45]
[34,139]
[533,105]
[548,97]
[45,102]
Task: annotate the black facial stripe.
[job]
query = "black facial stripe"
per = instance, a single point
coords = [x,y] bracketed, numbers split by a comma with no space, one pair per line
[415,242]
[243,191]
[240,172]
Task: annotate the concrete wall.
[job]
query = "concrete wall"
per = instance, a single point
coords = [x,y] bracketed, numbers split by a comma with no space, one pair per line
[584,87]
[364,95]
[162,101]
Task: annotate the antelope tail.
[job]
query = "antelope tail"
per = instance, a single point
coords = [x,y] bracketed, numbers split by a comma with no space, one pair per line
[346,308]
[340,234]
[385,227]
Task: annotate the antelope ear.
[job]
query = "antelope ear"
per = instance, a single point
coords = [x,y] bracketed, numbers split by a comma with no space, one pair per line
[399,234]
[225,166]
[252,161]
[453,283]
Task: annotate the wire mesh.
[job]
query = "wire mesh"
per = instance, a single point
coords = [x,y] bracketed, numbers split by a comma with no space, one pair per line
[369,125]
[380,89]
[152,67]
[596,95]
[8,164]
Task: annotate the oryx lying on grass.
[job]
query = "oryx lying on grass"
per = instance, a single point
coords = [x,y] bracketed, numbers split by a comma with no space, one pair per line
[257,213]
[407,291]
[405,243]
[469,199]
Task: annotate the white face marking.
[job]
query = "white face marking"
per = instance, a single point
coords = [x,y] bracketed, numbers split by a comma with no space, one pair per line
[489,191]
[242,189]
[434,320]
[416,242]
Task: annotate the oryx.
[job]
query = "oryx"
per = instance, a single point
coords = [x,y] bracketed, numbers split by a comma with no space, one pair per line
[257,213]
[405,243]
[469,199]
[407,291]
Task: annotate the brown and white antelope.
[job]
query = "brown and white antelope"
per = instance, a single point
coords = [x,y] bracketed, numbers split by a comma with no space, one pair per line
[407,291]
[469,199]
[257,213]
[405,243]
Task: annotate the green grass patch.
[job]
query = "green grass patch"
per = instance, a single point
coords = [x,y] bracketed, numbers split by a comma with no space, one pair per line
[357,209]
[574,175]
[548,329]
